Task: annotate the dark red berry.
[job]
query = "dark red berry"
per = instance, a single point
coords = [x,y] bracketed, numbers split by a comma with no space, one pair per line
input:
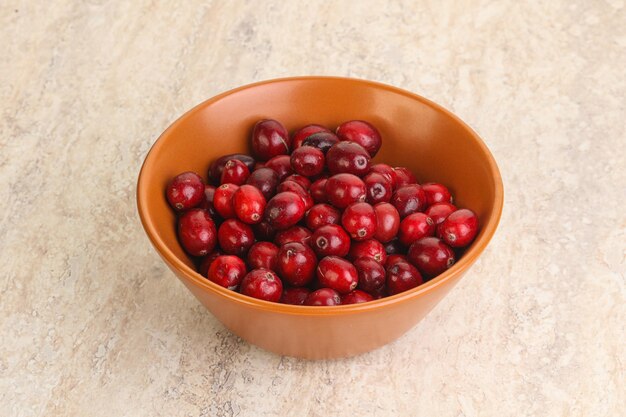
[249,204]
[386,171]
[281,165]
[293,234]
[294,187]
[344,189]
[235,172]
[207,203]
[378,188]
[269,139]
[337,273]
[296,264]
[223,200]
[257,166]
[266,180]
[439,211]
[235,237]
[318,190]
[203,269]
[394,259]
[348,157]
[196,232]
[409,199]
[304,132]
[330,240]
[227,271]
[415,226]
[323,297]
[371,275]
[370,248]
[284,210]
[295,295]
[303,181]
[262,284]
[307,161]
[394,247]
[436,193]
[185,191]
[387,222]
[402,276]
[359,220]
[215,172]
[322,141]
[459,229]
[263,255]
[404,176]
[431,256]
[356,297]
[322,214]
[361,132]
[264,231]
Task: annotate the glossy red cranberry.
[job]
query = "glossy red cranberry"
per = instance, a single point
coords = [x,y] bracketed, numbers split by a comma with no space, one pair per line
[263,255]
[262,284]
[235,172]
[330,240]
[348,157]
[371,275]
[295,295]
[431,256]
[359,220]
[378,188]
[344,189]
[266,180]
[323,297]
[337,273]
[322,214]
[269,139]
[409,199]
[303,181]
[318,190]
[282,165]
[402,276]
[249,204]
[207,203]
[203,269]
[356,297]
[307,161]
[370,248]
[387,222]
[404,176]
[304,132]
[264,231]
[439,211]
[459,229]
[293,234]
[185,191]
[386,171]
[322,141]
[394,259]
[296,264]
[284,210]
[215,171]
[361,132]
[227,271]
[196,232]
[235,237]
[223,200]
[436,193]
[294,187]
[415,226]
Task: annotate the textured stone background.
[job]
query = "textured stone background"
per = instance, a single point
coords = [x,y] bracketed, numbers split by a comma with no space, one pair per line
[93,323]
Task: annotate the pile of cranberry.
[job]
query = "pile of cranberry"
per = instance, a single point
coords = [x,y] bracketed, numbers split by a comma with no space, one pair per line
[311,221]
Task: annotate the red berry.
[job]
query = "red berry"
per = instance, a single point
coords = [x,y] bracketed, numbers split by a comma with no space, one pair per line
[307,161]
[402,276]
[370,248]
[348,157]
[394,259]
[284,210]
[264,231]
[359,220]
[295,295]
[323,297]
[302,181]
[371,275]
[203,269]
[263,255]
[196,232]
[262,284]
[293,234]
[378,188]
[362,133]
[436,193]
[281,164]
[235,172]
[344,189]
[215,172]
[337,273]
[459,229]
[269,139]
[185,191]
[355,297]
[387,222]
[321,140]
[404,176]
[322,214]
[294,187]
[409,199]
[223,200]
[330,240]
[235,237]
[296,264]
[318,190]
[431,256]
[439,211]
[415,226]
[386,171]
[227,271]
[266,180]
[258,165]
[249,204]
[207,202]
[304,132]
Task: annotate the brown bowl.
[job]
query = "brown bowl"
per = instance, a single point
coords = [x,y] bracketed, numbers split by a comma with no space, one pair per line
[416,132]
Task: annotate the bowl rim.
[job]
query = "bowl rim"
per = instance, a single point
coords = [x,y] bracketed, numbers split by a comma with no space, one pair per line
[468,258]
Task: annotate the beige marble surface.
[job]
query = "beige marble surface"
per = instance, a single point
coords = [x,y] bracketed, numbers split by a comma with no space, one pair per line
[93,324]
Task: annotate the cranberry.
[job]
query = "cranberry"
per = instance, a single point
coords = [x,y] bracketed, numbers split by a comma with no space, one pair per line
[361,132]
[203,269]
[337,273]
[293,234]
[378,188]
[282,165]
[304,132]
[227,271]
[387,222]
[307,161]
[393,247]
[439,211]
[207,203]
[185,191]
[404,176]
[344,189]
[235,237]
[459,229]
[196,232]
[322,214]
[262,284]
[318,190]
[348,157]
[294,295]
[330,240]
[322,141]
[235,172]
[436,193]
[249,204]
[371,275]
[284,210]
[323,297]
[266,180]
[264,231]
[415,226]
[302,181]
[355,297]
[409,199]
[359,220]
[215,172]
[223,200]
[394,259]
[402,276]
[296,264]
[258,165]
[269,139]
[294,187]
[370,248]
[263,255]
[431,256]
[386,171]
